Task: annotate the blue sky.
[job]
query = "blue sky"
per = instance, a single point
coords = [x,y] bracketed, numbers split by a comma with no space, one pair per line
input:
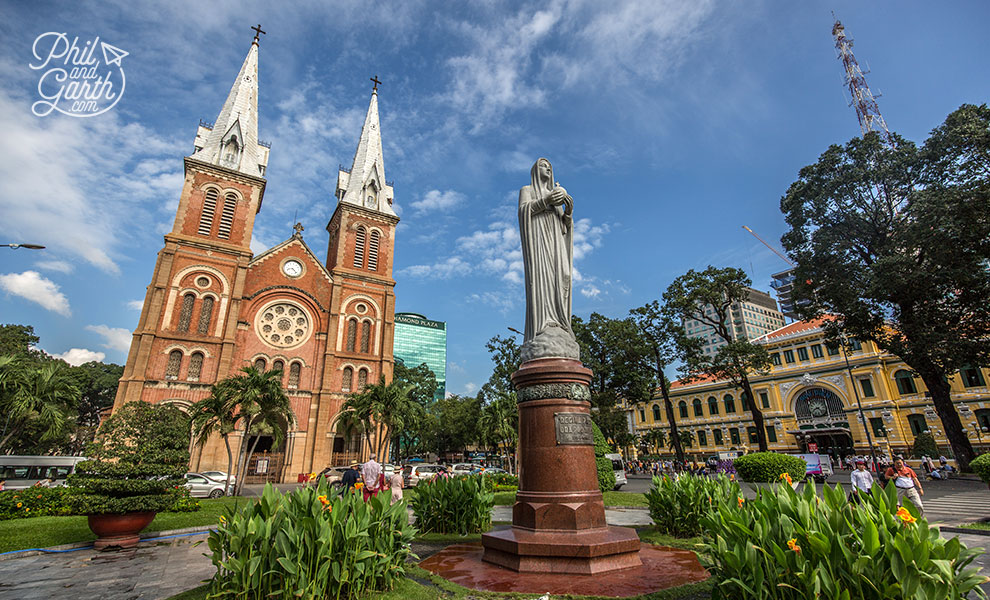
[672,124]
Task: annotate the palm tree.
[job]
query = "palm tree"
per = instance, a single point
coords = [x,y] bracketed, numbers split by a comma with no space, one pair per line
[261,406]
[498,423]
[215,414]
[42,396]
[382,408]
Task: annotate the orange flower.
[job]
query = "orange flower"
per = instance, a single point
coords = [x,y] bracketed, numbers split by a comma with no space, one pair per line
[741,500]
[732,476]
[786,477]
[223,520]
[326,503]
[20,504]
[905,515]
[792,544]
[358,485]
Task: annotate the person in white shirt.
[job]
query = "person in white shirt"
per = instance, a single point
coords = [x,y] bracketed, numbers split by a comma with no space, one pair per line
[862,480]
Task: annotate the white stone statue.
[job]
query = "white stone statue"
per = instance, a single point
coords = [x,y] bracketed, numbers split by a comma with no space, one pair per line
[546,229]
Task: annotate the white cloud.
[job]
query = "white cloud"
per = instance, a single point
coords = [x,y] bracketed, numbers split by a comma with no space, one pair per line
[590,291]
[79,356]
[587,237]
[445,269]
[32,286]
[54,265]
[117,338]
[502,301]
[135,304]
[470,388]
[435,200]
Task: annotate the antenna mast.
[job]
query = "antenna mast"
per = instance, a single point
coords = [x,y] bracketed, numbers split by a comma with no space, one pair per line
[867,110]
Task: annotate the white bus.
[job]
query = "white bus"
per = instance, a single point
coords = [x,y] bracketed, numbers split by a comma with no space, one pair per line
[21,472]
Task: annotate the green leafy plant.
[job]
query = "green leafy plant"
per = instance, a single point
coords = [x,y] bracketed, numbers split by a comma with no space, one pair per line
[454,505]
[677,505]
[785,545]
[924,445]
[981,466]
[769,467]
[137,462]
[606,474]
[33,502]
[310,543]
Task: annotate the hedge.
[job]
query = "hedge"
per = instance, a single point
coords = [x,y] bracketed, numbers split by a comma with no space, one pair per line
[768,467]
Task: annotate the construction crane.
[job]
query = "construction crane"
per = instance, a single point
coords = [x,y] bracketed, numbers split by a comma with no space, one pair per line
[867,110]
[772,249]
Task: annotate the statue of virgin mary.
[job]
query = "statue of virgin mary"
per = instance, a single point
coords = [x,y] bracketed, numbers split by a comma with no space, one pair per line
[546,229]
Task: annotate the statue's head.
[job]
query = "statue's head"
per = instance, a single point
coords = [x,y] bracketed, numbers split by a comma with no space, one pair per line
[542,174]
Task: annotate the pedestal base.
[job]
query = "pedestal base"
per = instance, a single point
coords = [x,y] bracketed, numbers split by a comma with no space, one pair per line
[582,552]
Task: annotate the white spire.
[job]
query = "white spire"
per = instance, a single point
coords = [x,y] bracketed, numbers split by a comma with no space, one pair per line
[232,142]
[365,185]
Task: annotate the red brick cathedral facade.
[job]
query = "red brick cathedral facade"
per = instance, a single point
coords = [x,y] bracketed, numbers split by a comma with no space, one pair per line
[213,307]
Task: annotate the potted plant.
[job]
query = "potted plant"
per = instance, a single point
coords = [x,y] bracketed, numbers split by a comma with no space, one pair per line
[136,465]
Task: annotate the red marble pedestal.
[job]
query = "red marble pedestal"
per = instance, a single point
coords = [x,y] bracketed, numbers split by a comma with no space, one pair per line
[558,520]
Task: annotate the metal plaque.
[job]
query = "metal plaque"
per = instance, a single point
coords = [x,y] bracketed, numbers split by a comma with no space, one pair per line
[574,429]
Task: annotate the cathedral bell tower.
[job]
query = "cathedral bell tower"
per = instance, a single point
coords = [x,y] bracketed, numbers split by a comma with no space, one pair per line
[184,340]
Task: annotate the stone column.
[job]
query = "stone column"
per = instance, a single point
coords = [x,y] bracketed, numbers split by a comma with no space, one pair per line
[558,520]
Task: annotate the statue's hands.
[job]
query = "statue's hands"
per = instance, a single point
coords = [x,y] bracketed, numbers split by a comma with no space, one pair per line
[558,196]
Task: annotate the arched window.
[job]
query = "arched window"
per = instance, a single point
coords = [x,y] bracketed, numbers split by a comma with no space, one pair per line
[185,314]
[905,383]
[174,362]
[278,365]
[373,252]
[352,325]
[227,216]
[294,369]
[682,409]
[698,412]
[362,379]
[359,241]
[205,315]
[712,405]
[260,364]
[730,404]
[656,412]
[209,209]
[195,366]
[366,337]
[744,401]
[347,379]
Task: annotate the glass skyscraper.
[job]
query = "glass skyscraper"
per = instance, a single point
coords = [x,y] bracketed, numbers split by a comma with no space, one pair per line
[419,340]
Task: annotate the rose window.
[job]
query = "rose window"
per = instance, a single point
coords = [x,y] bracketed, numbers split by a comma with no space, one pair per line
[283,325]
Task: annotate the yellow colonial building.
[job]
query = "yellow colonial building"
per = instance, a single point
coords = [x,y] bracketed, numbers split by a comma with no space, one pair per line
[809,402]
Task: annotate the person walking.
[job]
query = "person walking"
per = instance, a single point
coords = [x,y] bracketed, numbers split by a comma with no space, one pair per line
[350,476]
[862,481]
[372,476]
[907,483]
[395,486]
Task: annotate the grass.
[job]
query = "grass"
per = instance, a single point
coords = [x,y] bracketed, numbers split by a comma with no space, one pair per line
[44,532]
[980,525]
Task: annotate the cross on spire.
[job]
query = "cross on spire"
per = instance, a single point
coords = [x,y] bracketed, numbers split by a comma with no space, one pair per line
[377,83]
[298,229]
[257,32]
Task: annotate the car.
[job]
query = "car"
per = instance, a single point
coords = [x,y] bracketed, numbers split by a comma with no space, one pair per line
[488,470]
[412,475]
[333,474]
[463,468]
[219,476]
[389,470]
[201,486]
[620,470]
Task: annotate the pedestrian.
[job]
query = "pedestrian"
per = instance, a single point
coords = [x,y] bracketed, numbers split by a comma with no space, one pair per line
[906,481]
[372,476]
[862,481]
[3,484]
[350,476]
[395,485]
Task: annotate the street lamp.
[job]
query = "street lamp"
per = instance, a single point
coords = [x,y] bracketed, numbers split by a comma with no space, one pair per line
[979,430]
[514,330]
[28,246]
[859,404]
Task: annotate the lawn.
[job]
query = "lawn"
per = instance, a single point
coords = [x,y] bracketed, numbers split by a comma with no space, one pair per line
[981,525]
[44,532]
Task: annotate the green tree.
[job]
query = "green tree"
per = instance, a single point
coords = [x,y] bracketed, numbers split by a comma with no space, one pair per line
[707,297]
[383,408]
[453,423]
[665,339]
[653,440]
[498,426]
[895,243]
[423,386]
[421,379]
[19,340]
[37,402]
[215,415]
[97,384]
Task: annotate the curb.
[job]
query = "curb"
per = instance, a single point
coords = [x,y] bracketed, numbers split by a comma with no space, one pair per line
[954,529]
[145,537]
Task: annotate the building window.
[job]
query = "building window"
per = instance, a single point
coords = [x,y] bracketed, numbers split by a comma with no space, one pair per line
[789,356]
[744,401]
[917,423]
[362,379]
[260,364]
[656,412]
[366,337]
[771,434]
[227,216]
[972,377]
[876,424]
[702,438]
[698,412]
[775,358]
[205,315]
[185,314]
[174,362]
[294,369]
[373,252]
[983,419]
[730,404]
[855,346]
[278,365]
[802,353]
[209,210]
[867,388]
[833,348]
[717,434]
[734,436]
[764,400]
[642,415]
[352,326]
[751,433]
[816,351]
[712,405]
[347,379]
[359,242]
[195,366]
[682,409]
[905,383]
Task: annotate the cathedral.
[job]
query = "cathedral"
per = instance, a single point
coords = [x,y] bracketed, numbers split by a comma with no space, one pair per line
[213,307]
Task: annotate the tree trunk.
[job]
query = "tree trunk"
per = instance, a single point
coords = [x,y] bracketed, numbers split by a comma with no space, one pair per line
[247,460]
[761,431]
[669,406]
[942,399]
[240,456]
[230,460]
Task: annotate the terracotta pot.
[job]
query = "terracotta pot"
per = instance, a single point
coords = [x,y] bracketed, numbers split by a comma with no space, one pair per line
[119,531]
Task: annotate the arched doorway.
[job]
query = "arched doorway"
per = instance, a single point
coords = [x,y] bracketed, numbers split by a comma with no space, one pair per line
[822,423]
